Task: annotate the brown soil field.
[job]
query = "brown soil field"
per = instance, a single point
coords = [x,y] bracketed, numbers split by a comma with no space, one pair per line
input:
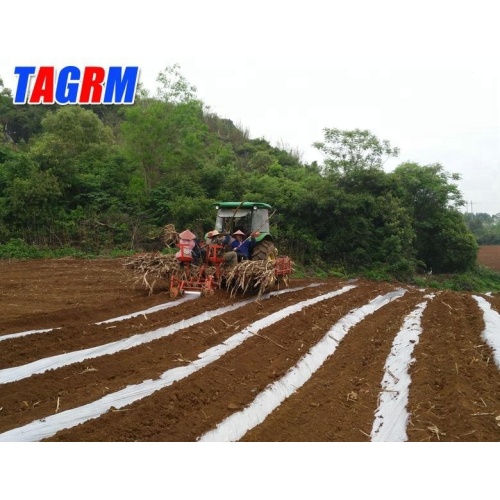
[489,256]
[454,383]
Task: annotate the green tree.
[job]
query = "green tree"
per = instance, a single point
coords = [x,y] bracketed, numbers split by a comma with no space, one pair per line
[19,123]
[485,227]
[347,150]
[443,242]
[74,146]
[28,198]
[173,86]
[6,112]
[164,139]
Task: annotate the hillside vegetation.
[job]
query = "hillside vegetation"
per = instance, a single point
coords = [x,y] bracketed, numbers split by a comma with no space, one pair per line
[98,179]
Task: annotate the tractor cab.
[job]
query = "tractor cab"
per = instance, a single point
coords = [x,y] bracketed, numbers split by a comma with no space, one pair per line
[249,217]
[246,216]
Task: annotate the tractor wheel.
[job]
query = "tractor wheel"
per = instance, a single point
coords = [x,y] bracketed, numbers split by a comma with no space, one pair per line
[265,250]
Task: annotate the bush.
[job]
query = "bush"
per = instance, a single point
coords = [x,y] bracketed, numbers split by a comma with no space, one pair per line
[19,249]
[480,280]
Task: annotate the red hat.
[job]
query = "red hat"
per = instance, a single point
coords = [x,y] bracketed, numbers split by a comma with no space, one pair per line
[187,235]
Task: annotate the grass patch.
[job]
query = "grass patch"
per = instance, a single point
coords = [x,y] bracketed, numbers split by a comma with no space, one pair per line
[480,280]
[319,271]
[378,274]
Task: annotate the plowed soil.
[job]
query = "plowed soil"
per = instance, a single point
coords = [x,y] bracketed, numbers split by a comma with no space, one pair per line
[489,256]
[454,393]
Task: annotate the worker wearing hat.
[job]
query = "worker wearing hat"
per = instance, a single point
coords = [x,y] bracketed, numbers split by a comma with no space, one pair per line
[242,245]
[214,237]
[211,235]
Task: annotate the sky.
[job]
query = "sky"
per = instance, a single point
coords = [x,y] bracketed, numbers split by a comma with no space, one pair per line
[425,76]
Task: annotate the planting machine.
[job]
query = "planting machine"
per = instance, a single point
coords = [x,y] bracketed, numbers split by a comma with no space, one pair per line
[208,271]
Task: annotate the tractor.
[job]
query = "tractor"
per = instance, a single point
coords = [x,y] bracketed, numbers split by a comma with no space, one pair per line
[252,219]
[249,217]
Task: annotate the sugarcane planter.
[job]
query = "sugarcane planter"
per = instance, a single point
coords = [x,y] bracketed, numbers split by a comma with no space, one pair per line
[202,267]
[245,276]
[198,278]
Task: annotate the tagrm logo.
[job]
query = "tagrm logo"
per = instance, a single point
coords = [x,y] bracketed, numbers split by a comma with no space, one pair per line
[72,85]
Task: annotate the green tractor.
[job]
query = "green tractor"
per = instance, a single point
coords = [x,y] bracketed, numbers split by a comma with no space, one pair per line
[249,217]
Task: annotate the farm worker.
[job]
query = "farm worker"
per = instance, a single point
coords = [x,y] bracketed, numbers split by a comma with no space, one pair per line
[242,245]
[209,239]
[216,238]
[187,241]
[210,236]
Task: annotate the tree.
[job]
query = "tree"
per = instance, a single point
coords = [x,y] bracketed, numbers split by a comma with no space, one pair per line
[6,111]
[453,248]
[485,227]
[18,123]
[28,196]
[348,150]
[173,86]
[443,242]
[165,139]
[74,143]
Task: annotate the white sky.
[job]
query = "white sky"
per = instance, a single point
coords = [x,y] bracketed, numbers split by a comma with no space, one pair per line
[425,75]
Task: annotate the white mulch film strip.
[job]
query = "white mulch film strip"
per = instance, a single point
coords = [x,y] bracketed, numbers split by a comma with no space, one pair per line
[44,428]
[153,309]
[23,334]
[391,416]
[42,365]
[237,425]
[491,332]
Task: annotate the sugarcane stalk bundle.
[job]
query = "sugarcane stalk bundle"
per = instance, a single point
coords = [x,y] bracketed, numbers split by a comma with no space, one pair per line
[250,275]
[150,268]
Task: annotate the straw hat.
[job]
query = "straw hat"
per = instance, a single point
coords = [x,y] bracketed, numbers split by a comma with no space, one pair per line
[213,233]
[239,232]
[187,235]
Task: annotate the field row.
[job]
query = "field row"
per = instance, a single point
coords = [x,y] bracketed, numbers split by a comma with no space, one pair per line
[340,361]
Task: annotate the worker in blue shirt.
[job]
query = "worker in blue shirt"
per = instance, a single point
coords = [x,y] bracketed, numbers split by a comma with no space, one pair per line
[242,245]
